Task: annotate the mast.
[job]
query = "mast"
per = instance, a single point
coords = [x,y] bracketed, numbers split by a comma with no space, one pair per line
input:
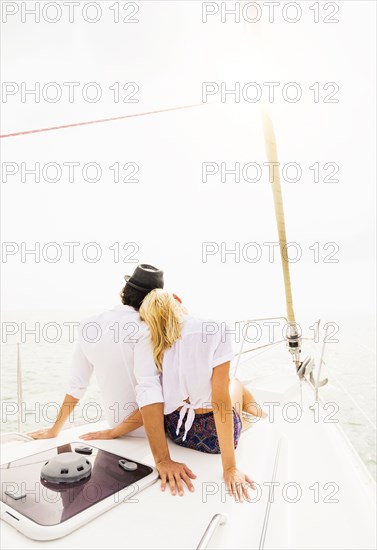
[293,336]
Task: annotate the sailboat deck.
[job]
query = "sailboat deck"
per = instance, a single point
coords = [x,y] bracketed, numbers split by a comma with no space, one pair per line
[313,464]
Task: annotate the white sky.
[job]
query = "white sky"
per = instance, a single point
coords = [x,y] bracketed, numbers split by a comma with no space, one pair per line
[171,212]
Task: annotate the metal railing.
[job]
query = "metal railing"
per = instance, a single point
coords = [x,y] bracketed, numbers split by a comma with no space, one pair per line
[305,370]
[315,383]
[218,519]
[242,351]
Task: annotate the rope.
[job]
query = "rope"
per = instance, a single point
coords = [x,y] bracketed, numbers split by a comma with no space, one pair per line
[99,121]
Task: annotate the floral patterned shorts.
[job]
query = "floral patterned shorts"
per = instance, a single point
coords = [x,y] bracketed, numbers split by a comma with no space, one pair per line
[202,435]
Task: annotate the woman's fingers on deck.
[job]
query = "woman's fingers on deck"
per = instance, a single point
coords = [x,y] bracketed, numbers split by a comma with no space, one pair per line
[177,474]
[163,482]
[189,472]
[238,485]
[250,482]
[239,492]
[233,491]
[245,491]
[187,480]
[178,481]
[172,484]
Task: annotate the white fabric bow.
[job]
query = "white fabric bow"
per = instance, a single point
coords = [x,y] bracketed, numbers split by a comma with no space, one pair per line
[189,420]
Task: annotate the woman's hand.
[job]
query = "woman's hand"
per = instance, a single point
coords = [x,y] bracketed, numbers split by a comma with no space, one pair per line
[175,473]
[46,433]
[238,484]
[103,434]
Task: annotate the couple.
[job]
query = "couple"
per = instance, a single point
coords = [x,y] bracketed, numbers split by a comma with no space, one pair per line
[166,375]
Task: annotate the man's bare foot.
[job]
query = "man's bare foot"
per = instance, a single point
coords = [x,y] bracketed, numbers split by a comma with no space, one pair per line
[247,421]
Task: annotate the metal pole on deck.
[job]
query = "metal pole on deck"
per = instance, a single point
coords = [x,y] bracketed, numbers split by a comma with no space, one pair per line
[19,389]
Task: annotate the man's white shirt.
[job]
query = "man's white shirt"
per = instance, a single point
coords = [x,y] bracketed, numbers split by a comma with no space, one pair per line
[108,345]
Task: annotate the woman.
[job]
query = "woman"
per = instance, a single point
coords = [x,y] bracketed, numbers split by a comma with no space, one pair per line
[202,406]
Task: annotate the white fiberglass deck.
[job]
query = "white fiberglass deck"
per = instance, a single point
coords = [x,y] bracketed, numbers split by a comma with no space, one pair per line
[314,462]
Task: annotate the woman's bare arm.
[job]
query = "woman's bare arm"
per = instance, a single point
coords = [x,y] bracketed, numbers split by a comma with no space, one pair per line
[237,483]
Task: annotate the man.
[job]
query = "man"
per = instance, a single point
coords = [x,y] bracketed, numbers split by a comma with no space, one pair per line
[109,344]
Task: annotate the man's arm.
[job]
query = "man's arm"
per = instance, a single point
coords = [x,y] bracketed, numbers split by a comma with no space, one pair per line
[66,409]
[131,423]
[81,373]
[169,470]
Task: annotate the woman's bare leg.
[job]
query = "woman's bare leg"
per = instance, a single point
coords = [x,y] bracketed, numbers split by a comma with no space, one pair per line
[243,400]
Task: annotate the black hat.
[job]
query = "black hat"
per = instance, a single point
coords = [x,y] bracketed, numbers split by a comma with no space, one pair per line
[146,278]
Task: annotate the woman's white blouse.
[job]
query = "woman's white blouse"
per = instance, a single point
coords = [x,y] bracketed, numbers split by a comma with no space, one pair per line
[186,370]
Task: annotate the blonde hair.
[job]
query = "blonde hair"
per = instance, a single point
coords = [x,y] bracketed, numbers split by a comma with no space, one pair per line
[163,314]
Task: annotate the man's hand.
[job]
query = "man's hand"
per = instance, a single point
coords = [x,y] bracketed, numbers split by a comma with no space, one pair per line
[238,484]
[67,407]
[103,434]
[46,433]
[175,473]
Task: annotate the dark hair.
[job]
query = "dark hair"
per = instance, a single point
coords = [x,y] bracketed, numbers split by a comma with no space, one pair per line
[132,297]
